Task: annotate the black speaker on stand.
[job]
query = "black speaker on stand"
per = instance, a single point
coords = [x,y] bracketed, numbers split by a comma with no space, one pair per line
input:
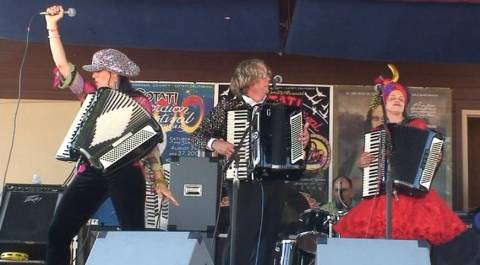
[25,215]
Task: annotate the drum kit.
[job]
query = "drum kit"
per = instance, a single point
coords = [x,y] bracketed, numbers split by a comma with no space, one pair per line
[314,224]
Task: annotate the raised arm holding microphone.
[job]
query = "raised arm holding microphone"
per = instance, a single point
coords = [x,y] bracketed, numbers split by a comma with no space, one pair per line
[112,69]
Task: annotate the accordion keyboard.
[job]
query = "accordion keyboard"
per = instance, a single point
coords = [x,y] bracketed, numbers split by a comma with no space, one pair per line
[237,123]
[63,152]
[373,172]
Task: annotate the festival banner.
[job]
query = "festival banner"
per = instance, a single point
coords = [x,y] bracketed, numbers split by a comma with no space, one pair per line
[180,109]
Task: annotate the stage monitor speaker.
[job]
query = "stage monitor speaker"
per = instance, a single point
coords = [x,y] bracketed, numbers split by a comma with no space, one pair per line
[193,182]
[148,248]
[26,213]
[341,251]
[106,215]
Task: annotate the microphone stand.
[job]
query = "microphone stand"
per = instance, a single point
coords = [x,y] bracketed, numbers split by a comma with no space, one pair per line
[387,177]
[233,204]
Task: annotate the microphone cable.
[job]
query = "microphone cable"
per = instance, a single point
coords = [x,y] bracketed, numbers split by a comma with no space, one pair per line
[19,96]
[259,238]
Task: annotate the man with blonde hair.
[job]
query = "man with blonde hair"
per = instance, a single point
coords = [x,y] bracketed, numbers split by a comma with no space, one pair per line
[259,203]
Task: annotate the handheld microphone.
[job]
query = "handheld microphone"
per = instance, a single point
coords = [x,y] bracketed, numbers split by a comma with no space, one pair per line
[71,12]
[277,79]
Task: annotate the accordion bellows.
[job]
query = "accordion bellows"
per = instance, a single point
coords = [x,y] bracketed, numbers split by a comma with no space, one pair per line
[110,130]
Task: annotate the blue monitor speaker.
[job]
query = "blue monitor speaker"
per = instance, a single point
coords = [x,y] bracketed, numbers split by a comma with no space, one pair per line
[148,248]
[106,215]
[341,251]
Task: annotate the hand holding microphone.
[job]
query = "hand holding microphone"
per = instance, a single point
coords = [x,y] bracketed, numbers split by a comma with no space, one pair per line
[56,10]
[52,15]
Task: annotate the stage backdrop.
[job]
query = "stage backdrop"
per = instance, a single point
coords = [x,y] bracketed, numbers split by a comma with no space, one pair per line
[315,102]
[350,107]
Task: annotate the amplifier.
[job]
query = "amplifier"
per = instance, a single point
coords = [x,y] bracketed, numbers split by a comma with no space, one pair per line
[194,183]
[25,216]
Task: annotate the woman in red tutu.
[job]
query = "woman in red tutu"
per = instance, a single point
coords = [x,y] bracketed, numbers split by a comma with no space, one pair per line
[418,218]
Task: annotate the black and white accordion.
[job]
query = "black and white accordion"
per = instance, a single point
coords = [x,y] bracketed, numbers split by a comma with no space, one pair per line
[110,130]
[272,148]
[412,162]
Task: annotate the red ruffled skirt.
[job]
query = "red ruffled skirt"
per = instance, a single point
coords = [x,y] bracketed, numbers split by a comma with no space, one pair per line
[426,218]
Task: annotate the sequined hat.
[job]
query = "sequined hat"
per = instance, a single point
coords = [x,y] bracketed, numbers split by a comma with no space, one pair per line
[113,61]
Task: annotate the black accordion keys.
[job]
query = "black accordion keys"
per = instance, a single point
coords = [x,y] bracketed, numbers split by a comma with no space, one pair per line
[272,148]
[110,130]
[412,162]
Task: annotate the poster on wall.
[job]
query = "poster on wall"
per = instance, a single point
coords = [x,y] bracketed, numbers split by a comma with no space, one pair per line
[315,103]
[180,109]
[352,119]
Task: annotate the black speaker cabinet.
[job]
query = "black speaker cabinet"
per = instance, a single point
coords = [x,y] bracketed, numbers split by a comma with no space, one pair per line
[341,251]
[194,182]
[26,213]
[148,248]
